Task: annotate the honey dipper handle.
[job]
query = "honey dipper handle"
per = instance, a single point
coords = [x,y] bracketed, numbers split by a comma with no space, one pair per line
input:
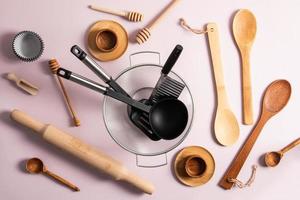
[290,146]
[61,180]
[109,11]
[162,14]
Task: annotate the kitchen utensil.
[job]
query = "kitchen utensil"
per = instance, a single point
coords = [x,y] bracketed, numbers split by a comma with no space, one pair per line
[138,81]
[275,98]
[107,40]
[134,114]
[131,16]
[194,166]
[23,84]
[226,126]
[165,87]
[97,69]
[54,66]
[36,166]
[83,151]
[273,158]
[168,118]
[144,34]
[28,46]
[244,31]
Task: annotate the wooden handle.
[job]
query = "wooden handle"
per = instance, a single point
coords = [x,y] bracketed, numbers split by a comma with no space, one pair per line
[162,14]
[290,146]
[12,77]
[246,87]
[68,102]
[215,53]
[239,160]
[109,11]
[83,151]
[61,180]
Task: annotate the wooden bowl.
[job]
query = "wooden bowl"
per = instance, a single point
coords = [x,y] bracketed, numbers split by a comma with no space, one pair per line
[194,166]
[107,40]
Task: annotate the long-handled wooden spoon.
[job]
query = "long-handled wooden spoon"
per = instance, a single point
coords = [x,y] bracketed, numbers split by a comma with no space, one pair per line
[226,126]
[275,98]
[244,31]
[273,158]
[36,166]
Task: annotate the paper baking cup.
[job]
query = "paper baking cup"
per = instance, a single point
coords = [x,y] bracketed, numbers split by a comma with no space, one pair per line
[28,46]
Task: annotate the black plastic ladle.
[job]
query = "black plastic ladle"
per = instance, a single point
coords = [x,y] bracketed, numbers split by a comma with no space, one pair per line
[168,117]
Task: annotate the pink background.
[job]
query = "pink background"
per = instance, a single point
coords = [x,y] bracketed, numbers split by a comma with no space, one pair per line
[64,23]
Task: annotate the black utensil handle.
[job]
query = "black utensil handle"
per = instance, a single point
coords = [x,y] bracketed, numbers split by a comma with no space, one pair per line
[128,100]
[172,59]
[81,80]
[102,89]
[90,63]
[78,52]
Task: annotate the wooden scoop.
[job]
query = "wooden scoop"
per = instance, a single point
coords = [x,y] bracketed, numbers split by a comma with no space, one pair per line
[244,31]
[227,130]
[23,84]
[273,158]
[276,97]
[36,166]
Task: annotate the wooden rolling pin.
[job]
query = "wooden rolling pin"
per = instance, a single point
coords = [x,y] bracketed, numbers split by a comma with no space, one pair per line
[83,151]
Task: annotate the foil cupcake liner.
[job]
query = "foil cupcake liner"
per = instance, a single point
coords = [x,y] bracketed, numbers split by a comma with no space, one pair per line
[28,46]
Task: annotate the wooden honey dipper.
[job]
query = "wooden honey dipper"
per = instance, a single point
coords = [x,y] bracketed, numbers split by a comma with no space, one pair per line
[144,34]
[131,16]
[54,66]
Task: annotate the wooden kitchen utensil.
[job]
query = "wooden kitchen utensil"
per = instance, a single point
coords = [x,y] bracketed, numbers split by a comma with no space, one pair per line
[23,84]
[144,34]
[194,166]
[36,166]
[273,158]
[107,40]
[130,16]
[83,151]
[244,31]
[226,126]
[275,98]
[54,66]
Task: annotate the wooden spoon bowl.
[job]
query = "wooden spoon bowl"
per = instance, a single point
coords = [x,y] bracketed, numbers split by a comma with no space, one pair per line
[273,158]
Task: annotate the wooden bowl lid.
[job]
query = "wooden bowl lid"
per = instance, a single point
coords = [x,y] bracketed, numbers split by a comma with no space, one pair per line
[179,166]
[116,28]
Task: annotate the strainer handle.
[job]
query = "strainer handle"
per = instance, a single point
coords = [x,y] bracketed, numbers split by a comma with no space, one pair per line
[144,57]
[139,163]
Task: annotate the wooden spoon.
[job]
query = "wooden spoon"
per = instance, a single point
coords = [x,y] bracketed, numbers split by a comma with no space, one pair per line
[244,31]
[273,158]
[226,127]
[36,166]
[276,97]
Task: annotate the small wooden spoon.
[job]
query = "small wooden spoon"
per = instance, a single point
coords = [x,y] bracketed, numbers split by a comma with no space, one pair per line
[273,158]
[226,127]
[36,166]
[244,31]
[276,97]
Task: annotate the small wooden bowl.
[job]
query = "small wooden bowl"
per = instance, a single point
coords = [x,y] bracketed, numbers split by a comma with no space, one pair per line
[194,166]
[106,40]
